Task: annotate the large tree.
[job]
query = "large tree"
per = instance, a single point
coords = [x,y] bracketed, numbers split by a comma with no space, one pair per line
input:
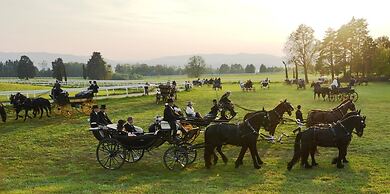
[196,66]
[328,53]
[301,48]
[26,68]
[225,68]
[250,68]
[236,68]
[96,67]
[59,71]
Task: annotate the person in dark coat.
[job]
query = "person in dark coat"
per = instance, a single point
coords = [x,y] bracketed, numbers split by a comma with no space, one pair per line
[129,126]
[95,87]
[103,117]
[146,89]
[214,111]
[171,116]
[94,118]
[298,114]
[226,103]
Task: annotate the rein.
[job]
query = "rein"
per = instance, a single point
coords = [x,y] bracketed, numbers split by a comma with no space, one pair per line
[246,109]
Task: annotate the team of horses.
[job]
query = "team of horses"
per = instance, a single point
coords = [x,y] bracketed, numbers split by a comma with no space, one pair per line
[37,105]
[332,128]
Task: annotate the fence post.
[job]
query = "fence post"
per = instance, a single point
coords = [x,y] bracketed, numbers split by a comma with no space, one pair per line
[107,92]
[127,92]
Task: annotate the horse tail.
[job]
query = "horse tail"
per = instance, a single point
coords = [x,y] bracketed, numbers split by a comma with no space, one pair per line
[208,150]
[297,151]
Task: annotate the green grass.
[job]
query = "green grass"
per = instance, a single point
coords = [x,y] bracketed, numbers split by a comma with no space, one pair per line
[58,155]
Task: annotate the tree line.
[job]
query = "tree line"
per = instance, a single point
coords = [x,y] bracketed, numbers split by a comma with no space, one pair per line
[347,51]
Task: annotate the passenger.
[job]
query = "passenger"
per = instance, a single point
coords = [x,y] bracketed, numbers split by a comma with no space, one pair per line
[190,111]
[103,115]
[335,84]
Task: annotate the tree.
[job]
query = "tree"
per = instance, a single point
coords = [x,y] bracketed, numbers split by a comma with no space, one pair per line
[250,68]
[263,68]
[236,68]
[26,68]
[96,67]
[328,52]
[225,68]
[383,42]
[301,48]
[196,66]
[84,72]
[59,71]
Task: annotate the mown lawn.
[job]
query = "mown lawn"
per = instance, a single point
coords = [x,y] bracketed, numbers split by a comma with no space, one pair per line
[58,155]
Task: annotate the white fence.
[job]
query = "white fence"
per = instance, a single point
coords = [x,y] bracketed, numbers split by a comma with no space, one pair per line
[35,93]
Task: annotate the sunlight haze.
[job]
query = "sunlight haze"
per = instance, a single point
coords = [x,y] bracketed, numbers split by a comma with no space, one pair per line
[134,30]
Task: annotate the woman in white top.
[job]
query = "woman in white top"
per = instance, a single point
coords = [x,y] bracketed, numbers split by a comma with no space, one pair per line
[190,111]
[334,84]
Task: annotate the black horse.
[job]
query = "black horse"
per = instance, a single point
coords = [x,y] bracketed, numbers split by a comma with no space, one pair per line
[320,91]
[276,115]
[21,102]
[244,135]
[3,114]
[339,136]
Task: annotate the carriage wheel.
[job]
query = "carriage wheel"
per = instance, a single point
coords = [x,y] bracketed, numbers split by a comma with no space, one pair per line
[193,138]
[354,96]
[86,108]
[56,109]
[191,152]
[133,156]
[175,158]
[110,154]
[66,110]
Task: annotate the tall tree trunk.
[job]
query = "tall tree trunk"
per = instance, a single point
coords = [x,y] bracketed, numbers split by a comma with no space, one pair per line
[285,68]
[296,71]
[305,70]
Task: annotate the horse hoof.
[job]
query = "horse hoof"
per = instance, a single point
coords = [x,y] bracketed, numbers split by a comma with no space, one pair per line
[257,166]
[334,161]
[345,161]
[340,166]
[261,162]
[307,166]
[314,164]
[289,166]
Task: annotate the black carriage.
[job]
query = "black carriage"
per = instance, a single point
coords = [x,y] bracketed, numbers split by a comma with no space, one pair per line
[217,85]
[343,93]
[164,92]
[116,147]
[248,86]
[65,105]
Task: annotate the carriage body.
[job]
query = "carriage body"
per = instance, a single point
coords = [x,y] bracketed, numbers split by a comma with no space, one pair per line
[344,93]
[67,106]
[117,147]
[165,92]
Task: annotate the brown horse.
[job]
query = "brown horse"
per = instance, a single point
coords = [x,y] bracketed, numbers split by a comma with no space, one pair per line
[276,115]
[330,116]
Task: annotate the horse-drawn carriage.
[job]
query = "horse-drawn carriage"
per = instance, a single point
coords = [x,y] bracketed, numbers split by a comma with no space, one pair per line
[64,105]
[164,92]
[217,84]
[247,86]
[265,83]
[343,94]
[301,84]
[116,147]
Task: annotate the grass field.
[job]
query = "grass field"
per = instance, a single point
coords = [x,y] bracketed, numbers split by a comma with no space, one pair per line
[57,155]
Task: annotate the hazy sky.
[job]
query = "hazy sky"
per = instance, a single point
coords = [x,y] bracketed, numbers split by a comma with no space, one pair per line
[143,29]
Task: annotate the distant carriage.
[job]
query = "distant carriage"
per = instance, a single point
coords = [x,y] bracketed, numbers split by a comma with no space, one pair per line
[265,84]
[67,106]
[164,92]
[247,86]
[301,84]
[343,94]
[217,85]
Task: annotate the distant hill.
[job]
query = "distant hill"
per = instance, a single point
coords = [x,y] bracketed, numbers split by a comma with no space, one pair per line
[215,60]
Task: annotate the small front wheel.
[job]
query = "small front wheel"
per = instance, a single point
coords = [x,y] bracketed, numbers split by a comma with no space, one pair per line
[175,158]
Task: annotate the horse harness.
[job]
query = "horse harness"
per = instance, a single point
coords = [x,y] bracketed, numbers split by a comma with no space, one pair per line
[253,131]
[332,130]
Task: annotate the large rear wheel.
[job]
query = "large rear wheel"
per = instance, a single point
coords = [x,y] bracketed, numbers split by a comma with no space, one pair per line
[191,152]
[110,154]
[354,96]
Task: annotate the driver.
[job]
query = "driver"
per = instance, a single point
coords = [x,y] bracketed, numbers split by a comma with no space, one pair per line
[171,117]
[214,110]
[226,103]
[103,115]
